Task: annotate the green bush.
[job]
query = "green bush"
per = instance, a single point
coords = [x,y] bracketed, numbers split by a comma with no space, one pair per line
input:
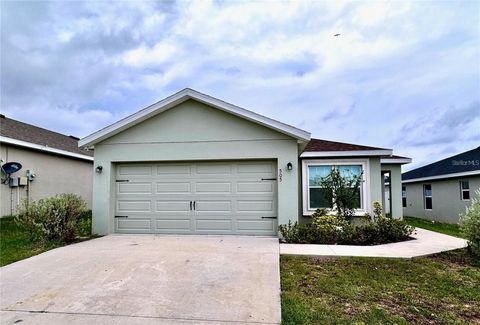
[470,225]
[326,229]
[52,219]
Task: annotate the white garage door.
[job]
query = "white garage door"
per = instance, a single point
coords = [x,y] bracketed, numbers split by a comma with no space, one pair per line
[197,198]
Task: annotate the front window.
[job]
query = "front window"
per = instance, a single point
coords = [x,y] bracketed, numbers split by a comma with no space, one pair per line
[317,197]
[404,196]
[464,190]
[427,195]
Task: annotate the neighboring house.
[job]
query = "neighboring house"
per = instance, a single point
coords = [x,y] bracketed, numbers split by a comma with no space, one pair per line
[54,162]
[442,190]
[193,164]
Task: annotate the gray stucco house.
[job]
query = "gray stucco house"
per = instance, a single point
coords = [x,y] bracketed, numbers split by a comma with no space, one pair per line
[53,161]
[194,164]
[441,191]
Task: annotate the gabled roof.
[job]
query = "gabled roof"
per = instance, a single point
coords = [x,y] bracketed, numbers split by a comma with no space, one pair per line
[26,135]
[180,97]
[463,164]
[325,148]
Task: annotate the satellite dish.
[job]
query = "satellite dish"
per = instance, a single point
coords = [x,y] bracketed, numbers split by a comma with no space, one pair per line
[11,167]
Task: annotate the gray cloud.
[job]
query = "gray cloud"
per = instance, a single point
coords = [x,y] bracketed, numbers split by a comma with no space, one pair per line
[77,66]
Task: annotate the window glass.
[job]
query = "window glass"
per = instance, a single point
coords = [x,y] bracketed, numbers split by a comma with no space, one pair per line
[428,190]
[350,171]
[318,198]
[464,190]
[404,196]
[427,194]
[316,173]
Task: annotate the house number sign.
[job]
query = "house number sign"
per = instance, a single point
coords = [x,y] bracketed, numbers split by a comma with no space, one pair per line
[280,175]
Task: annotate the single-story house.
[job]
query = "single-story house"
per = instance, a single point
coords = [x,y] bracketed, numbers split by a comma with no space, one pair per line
[194,164]
[442,190]
[52,163]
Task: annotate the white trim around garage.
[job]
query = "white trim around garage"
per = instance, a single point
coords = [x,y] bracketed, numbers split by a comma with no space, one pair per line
[395,160]
[180,97]
[40,147]
[462,174]
[352,153]
[318,162]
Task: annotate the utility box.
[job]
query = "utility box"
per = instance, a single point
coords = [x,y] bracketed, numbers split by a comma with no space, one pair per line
[22,181]
[13,182]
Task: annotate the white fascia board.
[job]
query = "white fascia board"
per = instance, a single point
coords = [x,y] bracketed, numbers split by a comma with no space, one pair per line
[180,97]
[395,160]
[353,153]
[40,147]
[462,174]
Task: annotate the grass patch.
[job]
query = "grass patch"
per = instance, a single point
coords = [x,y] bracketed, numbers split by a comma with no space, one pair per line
[439,289]
[444,228]
[15,244]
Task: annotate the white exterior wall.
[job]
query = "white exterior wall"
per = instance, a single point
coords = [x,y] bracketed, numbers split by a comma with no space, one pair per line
[55,174]
[193,132]
[446,200]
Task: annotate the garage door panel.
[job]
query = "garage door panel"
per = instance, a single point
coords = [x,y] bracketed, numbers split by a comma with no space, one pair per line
[173,187]
[134,188]
[213,225]
[214,169]
[133,225]
[255,206]
[255,225]
[213,206]
[173,170]
[248,187]
[168,225]
[134,170]
[173,206]
[213,187]
[133,206]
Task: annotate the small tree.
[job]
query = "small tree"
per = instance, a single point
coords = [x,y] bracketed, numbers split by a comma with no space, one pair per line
[343,192]
[470,224]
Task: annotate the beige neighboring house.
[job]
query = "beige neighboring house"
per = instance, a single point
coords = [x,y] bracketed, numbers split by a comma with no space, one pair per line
[441,191]
[54,162]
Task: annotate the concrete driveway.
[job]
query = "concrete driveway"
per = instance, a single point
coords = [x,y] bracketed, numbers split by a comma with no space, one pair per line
[146,279]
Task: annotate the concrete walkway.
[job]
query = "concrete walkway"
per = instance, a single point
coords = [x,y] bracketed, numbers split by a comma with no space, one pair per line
[425,243]
[146,279]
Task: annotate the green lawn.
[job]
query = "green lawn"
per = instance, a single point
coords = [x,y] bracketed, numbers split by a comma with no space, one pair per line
[15,246]
[444,228]
[439,289]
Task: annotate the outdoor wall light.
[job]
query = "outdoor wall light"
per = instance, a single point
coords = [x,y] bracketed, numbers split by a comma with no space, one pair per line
[289,166]
[99,169]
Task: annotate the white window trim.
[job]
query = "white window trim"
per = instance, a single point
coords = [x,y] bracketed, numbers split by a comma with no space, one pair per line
[464,190]
[319,162]
[425,197]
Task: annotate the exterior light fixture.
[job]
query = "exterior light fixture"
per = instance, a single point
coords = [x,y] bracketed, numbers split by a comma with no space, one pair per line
[289,166]
[99,169]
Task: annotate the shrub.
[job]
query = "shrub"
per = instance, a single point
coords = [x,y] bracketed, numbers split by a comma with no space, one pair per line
[333,230]
[470,225]
[297,233]
[84,224]
[52,219]
[377,210]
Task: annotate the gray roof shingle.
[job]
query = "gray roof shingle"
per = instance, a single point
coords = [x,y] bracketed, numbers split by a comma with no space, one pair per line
[464,162]
[30,133]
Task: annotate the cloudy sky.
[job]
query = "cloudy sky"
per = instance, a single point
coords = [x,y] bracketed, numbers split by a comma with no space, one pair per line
[402,75]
